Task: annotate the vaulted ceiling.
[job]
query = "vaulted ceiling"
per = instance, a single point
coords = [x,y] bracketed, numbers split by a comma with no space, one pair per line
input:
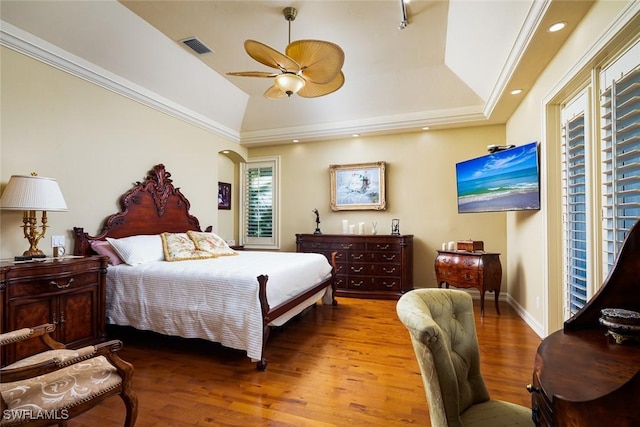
[454,64]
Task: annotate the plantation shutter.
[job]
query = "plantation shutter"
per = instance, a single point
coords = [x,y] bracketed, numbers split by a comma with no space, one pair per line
[260,204]
[574,197]
[620,144]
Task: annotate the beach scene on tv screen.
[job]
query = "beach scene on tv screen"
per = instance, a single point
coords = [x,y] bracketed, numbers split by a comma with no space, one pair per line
[503,181]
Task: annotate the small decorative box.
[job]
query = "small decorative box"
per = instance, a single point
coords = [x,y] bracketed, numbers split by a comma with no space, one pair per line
[622,325]
[470,245]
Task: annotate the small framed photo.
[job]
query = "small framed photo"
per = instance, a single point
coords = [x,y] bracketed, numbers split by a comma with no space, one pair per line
[224,195]
[358,186]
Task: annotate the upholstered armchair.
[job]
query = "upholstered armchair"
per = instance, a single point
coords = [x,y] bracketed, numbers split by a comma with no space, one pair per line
[443,334]
[58,384]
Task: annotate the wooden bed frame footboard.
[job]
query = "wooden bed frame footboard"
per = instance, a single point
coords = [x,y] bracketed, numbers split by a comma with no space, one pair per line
[155,206]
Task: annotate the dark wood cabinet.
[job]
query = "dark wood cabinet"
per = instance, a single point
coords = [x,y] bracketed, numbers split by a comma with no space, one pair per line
[581,375]
[462,269]
[368,266]
[68,292]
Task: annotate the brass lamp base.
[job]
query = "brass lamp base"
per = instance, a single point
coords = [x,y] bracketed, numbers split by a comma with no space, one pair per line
[31,233]
[37,253]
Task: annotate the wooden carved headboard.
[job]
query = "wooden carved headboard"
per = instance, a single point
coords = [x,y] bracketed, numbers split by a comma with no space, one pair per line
[152,206]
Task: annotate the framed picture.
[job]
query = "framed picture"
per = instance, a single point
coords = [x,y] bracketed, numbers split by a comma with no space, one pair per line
[224,195]
[358,187]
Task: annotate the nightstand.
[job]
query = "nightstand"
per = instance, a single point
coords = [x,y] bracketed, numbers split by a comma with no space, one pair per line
[68,292]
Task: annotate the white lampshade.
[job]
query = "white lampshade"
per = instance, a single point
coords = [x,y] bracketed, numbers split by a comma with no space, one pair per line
[32,193]
[289,83]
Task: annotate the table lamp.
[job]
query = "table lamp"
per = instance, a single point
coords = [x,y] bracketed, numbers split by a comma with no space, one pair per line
[30,194]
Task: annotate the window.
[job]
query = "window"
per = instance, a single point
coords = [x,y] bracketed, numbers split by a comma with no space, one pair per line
[620,123]
[575,197]
[605,177]
[259,203]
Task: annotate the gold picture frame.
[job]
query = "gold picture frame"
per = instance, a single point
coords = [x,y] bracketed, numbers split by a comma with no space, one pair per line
[359,186]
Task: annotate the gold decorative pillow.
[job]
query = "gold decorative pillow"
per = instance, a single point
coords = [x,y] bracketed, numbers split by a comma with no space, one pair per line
[211,243]
[179,247]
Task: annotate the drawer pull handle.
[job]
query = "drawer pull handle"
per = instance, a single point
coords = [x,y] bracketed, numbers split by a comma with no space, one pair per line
[389,285]
[357,256]
[389,257]
[356,270]
[62,319]
[53,319]
[357,284]
[383,247]
[532,389]
[348,246]
[467,277]
[389,271]
[60,285]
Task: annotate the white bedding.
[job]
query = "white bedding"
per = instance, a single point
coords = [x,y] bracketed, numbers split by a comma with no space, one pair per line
[214,299]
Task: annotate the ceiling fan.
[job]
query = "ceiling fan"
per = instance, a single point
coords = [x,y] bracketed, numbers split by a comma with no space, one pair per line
[310,68]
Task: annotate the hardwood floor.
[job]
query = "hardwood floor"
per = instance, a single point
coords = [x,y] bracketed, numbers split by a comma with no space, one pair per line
[352,364]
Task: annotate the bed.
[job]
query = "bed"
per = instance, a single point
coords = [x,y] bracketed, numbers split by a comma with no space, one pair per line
[229,297]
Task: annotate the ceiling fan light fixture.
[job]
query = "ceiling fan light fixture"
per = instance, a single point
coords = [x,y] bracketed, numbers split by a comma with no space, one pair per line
[289,83]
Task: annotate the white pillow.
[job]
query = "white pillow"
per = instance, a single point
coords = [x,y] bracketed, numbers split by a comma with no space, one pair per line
[138,249]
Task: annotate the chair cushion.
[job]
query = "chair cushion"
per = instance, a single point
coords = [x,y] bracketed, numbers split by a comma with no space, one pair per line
[496,413]
[57,391]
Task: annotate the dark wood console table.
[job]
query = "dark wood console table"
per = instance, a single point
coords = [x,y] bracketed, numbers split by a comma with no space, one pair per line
[462,269]
[581,377]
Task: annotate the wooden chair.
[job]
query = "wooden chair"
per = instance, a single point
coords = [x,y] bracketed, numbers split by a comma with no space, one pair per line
[443,334]
[59,384]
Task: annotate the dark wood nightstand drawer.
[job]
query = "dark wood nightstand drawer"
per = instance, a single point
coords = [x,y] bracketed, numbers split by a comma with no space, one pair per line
[52,284]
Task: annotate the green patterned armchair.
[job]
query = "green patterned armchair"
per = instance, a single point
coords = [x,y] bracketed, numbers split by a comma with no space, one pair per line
[443,334]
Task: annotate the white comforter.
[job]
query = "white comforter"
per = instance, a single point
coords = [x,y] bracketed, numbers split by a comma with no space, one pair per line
[214,299]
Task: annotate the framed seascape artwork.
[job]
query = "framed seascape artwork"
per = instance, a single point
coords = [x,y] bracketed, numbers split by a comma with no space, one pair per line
[358,187]
[224,195]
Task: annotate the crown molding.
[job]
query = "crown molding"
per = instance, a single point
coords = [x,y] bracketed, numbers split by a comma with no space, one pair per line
[34,47]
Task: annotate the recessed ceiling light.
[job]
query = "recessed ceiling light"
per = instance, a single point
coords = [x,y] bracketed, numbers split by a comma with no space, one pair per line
[425,128]
[516,91]
[557,26]
[296,140]
[355,135]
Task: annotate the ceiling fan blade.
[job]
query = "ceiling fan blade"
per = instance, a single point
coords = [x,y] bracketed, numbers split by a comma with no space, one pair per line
[319,60]
[252,74]
[314,90]
[270,57]
[274,92]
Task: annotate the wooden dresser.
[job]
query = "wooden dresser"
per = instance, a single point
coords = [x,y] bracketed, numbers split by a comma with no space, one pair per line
[581,377]
[68,292]
[368,266]
[481,270]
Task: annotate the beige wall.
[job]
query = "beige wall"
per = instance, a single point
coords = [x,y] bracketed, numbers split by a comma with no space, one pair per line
[420,184]
[97,144]
[534,244]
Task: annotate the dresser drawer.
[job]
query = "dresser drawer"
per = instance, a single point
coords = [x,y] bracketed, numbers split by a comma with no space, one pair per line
[348,246]
[383,246]
[540,406]
[315,246]
[369,283]
[390,256]
[387,269]
[54,284]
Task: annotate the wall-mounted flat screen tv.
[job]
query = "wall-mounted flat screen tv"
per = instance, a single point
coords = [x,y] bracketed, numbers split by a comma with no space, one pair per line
[506,180]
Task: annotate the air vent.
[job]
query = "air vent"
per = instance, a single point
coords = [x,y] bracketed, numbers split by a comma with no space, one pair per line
[196,45]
